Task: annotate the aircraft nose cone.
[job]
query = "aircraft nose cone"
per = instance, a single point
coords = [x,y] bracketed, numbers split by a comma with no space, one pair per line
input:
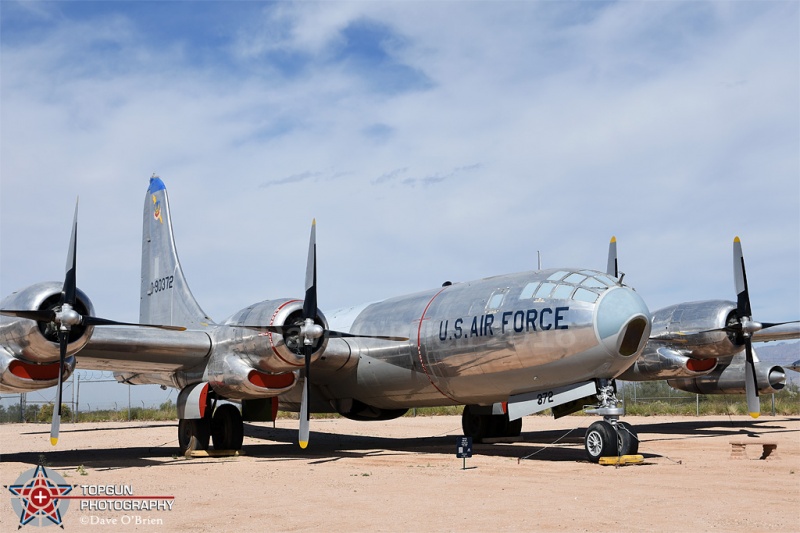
[622,321]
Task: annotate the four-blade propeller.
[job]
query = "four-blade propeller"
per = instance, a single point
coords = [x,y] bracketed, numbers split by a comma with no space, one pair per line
[65,316]
[745,327]
[309,331]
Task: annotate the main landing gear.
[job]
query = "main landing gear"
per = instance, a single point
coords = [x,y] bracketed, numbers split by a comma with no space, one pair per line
[480,424]
[609,437]
[224,429]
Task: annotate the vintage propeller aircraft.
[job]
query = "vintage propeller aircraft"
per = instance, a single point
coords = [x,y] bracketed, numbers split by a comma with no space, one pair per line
[504,347]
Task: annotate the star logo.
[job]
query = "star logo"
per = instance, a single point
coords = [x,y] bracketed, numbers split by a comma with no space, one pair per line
[38,497]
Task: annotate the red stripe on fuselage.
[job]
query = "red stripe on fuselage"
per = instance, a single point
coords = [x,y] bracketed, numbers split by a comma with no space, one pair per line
[419,347]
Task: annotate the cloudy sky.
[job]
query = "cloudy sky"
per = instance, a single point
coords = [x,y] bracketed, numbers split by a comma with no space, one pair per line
[432,141]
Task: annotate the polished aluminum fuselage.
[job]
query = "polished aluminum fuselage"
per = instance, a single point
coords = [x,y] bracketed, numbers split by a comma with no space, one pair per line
[482,341]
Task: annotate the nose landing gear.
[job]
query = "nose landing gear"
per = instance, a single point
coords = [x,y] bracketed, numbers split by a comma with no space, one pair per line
[609,437]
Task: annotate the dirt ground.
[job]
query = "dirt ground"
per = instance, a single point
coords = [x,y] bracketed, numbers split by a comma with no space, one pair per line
[403,475]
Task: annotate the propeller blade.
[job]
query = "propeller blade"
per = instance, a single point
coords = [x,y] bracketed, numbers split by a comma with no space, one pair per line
[97,321]
[310,302]
[43,315]
[68,298]
[63,340]
[309,316]
[304,415]
[612,269]
[744,313]
[304,418]
[343,335]
[287,330]
[70,277]
[740,281]
[766,325]
[750,383]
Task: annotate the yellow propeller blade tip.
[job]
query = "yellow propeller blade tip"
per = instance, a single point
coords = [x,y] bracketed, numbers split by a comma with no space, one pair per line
[314,221]
[53,440]
[755,415]
[303,444]
[736,239]
[613,238]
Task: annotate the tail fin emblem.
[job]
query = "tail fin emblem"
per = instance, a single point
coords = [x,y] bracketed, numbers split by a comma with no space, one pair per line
[157,209]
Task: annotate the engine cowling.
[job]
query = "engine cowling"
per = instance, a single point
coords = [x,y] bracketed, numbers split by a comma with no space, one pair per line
[266,351]
[30,355]
[17,375]
[233,378]
[687,325]
[730,379]
[665,363]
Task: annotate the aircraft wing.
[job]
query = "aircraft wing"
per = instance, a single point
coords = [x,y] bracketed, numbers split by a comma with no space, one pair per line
[144,350]
[783,332]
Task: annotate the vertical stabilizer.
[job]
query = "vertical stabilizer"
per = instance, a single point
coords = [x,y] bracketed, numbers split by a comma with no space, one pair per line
[165,295]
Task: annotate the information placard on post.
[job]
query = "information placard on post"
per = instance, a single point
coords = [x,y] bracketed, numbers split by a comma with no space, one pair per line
[464,449]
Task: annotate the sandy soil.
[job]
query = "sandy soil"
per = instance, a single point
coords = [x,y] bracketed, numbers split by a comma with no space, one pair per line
[403,475]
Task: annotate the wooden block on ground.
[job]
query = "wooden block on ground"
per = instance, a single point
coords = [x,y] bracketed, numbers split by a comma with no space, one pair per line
[213,453]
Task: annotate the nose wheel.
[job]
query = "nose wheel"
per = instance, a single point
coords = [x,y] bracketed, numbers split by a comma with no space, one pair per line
[610,439]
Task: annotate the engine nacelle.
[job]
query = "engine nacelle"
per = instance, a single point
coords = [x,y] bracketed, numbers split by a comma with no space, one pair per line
[17,375]
[37,342]
[664,363]
[265,351]
[730,380]
[687,325]
[233,378]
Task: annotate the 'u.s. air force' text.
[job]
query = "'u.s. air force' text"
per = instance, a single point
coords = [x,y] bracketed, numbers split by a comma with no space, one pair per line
[517,321]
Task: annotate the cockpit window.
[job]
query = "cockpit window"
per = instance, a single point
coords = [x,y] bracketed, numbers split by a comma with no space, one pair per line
[583,295]
[545,289]
[556,276]
[496,300]
[583,286]
[562,292]
[594,283]
[575,278]
[527,292]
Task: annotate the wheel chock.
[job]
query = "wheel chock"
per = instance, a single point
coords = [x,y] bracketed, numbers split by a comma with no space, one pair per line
[622,460]
[213,453]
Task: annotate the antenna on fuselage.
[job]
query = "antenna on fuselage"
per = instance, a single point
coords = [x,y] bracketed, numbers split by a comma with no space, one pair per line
[539,257]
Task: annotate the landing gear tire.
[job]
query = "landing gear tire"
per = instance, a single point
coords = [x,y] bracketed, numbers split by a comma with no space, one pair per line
[474,425]
[627,439]
[193,434]
[227,431]
[601,441]
[514,428]
[481,426]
